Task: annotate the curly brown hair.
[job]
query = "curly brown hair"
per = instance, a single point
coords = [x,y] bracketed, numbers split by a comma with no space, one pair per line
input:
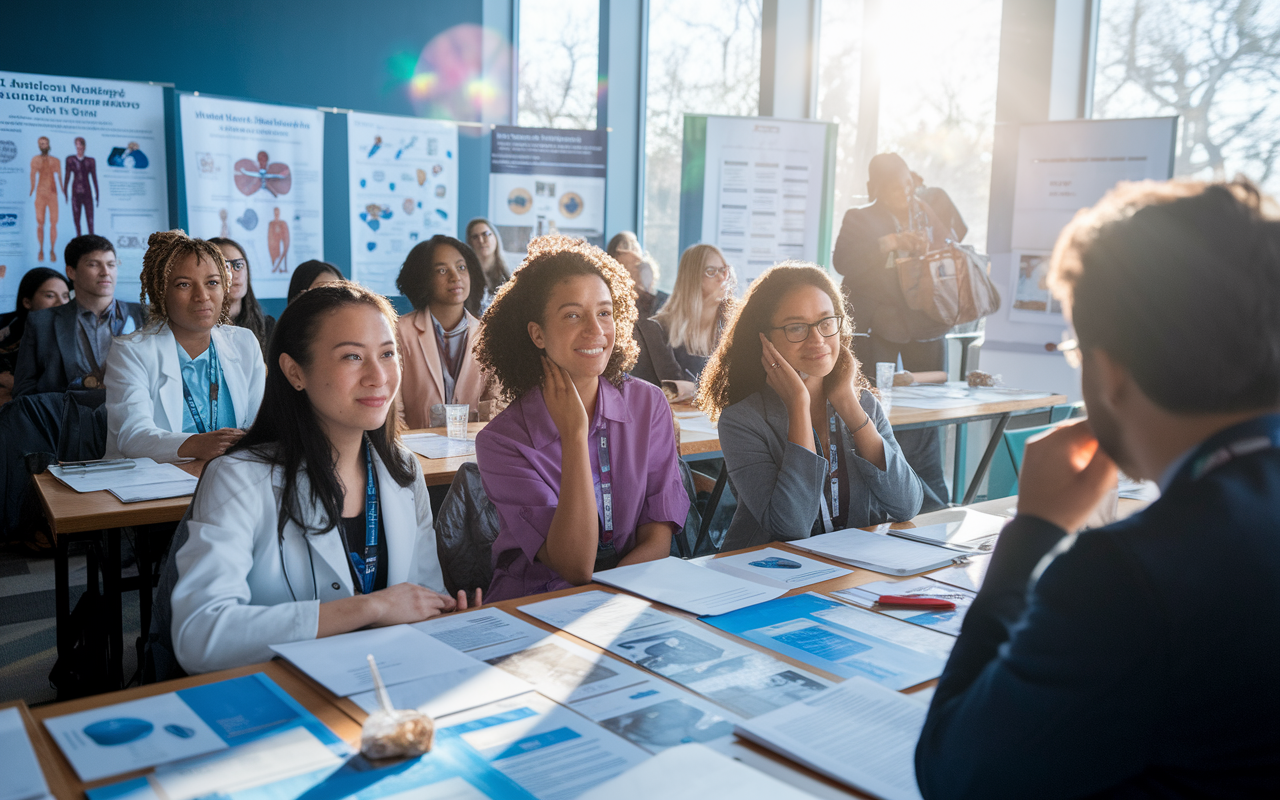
[166,248]
[505,349]
[733,372]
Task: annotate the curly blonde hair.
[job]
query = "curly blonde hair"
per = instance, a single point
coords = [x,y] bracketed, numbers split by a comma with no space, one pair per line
[164,250]
[505,349]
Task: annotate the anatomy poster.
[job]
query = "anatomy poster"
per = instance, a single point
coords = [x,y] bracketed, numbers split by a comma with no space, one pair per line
[255,174]
[404,190]
[546,180]
[78,156]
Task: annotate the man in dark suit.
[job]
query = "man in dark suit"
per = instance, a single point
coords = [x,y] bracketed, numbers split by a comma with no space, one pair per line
[62,348]
[1136,660]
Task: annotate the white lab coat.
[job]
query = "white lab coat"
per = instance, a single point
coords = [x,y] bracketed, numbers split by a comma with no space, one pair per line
[143,380]
[233,597]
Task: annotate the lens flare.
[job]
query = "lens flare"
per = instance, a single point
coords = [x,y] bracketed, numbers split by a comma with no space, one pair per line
[463,74]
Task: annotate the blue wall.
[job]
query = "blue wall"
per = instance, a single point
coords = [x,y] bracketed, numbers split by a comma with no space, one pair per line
[347,55]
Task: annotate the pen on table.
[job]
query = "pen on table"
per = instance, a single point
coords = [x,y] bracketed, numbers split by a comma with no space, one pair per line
[94,462]
[904,601]
[96,470]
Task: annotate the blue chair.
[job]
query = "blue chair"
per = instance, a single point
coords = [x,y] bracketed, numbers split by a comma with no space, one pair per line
[1002,476]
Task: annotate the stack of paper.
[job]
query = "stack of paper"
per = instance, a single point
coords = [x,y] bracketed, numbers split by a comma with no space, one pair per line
[145,480]
[858,733]
[23,779]
[966,530]
[776,568]
[686,586]
[878,552]
[433,445]
[948,622]
[693,772]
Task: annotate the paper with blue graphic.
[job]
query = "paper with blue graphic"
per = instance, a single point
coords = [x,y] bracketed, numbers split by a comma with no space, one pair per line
[778,568]
[827,634]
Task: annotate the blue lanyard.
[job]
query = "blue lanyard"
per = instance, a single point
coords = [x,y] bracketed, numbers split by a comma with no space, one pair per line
[367,567]
[828,520]
[606,490]
[215,378]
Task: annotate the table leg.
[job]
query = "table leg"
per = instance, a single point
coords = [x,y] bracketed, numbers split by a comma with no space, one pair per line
[996,434]
[713,502]
[111,596]
[960,462]
[142,552]
[62,593]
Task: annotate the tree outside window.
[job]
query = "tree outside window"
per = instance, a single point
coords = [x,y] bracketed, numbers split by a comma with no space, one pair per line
[559,52]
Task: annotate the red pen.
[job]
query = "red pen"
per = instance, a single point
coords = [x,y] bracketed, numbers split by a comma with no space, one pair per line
[903,601]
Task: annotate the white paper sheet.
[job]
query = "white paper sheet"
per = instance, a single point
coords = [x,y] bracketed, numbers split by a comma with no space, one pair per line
[567,672]
[483,632]
[402,654]
[948,622]
[957,394]
[449,692]
[295,751]
[694,772]
[968,575]
[157,491]
[858,733]
[656,716]
[144,474]
[433,445]
[123,737]
[958,527]
[682,585]
[878,552]
[23,779]
[776,568]
[549,750]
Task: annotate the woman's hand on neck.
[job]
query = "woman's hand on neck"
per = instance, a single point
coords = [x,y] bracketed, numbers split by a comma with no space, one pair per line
[193,340]
[447,315]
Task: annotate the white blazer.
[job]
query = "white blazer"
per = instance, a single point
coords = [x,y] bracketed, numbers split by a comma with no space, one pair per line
[234,598]
[144,388]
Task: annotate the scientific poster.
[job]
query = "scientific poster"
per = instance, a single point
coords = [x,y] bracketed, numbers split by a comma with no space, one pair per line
[758,188]
[255,174]
[78,156]
[404,190]
[546,180]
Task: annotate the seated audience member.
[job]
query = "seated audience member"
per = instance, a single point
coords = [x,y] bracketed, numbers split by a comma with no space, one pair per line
[486,243]
[440,277]
[625,248]
[558,341]
[276,548]
[896,225]
[808,448]
[1091,663]
[64,347]
[309,275]
[187,384]
[676,342]
[244,311]
[39,289]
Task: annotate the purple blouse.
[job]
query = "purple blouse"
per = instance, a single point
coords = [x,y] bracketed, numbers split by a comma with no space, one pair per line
[519,458]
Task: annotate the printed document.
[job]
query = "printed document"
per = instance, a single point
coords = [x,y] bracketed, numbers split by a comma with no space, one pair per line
[338,663]
[948,622]
[688,587]
[776,568]
[694,772]
[23,779]
[878,552]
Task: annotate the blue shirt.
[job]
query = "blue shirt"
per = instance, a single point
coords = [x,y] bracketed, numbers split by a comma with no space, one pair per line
[195,374]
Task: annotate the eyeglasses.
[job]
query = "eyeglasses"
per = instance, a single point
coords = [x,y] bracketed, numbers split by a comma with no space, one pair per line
[715,272]
[797,332]
[1070,349]
[480,236]
[237,264]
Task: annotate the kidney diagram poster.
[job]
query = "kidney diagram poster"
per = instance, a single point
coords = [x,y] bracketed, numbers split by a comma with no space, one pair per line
[78,156]
[404,190]
[255,173]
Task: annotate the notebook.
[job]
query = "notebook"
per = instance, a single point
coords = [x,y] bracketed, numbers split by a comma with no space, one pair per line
[878,552]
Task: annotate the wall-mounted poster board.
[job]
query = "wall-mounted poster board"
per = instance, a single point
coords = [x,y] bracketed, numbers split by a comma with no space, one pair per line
[255,173]
[403,190]
[79,156]
[758,188]
[546,180]
[1042,175]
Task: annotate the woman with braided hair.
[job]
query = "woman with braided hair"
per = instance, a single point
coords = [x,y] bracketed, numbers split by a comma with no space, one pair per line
[189,383]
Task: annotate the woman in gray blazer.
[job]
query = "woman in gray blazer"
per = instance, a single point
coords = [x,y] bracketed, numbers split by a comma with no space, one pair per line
[807,445]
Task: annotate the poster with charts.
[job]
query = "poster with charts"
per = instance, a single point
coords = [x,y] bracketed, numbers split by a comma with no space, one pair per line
[766,189]
[404,190]
[255,173]
[78,156]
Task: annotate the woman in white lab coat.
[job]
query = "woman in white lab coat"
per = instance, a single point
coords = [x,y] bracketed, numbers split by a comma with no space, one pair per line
[287,540]
[187,384]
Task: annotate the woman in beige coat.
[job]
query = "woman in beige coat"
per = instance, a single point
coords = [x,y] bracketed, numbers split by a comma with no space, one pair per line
[441,277]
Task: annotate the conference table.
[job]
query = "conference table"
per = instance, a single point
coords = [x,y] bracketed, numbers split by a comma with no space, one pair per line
[344,717]
[74,516]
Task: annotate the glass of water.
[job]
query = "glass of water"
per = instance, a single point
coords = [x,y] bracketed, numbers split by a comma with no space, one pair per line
[884,382]
[455,418]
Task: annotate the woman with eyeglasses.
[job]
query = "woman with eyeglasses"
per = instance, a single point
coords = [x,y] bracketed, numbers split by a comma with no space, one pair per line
[808,448]
[483,239]
[676,342]
[244,311]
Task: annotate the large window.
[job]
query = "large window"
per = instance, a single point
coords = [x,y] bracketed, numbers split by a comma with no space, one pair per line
[839,91]
[1215,63]
[704,58]
[559,53]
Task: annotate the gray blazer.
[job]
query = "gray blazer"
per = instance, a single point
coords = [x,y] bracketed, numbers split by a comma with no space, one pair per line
[49,356]
[779,484]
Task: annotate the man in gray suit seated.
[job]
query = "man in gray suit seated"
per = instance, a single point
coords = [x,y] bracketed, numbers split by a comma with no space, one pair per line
[63,348]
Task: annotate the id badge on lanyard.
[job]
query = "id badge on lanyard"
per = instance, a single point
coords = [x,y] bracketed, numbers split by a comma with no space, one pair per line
[606,491]
[215,379]
[367,567]
[831,514]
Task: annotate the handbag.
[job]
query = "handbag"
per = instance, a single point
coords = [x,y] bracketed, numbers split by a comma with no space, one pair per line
[950,286]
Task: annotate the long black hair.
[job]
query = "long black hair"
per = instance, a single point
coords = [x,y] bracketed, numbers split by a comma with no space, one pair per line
[415,278]
[306,273]
[288,434]
[29,285]
[251,315]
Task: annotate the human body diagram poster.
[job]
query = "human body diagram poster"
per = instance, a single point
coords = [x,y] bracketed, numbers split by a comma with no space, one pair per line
[255,173]
[78,156]
[404,190]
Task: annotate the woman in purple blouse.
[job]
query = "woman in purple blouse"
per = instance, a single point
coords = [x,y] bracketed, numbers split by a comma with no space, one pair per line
[582,466]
